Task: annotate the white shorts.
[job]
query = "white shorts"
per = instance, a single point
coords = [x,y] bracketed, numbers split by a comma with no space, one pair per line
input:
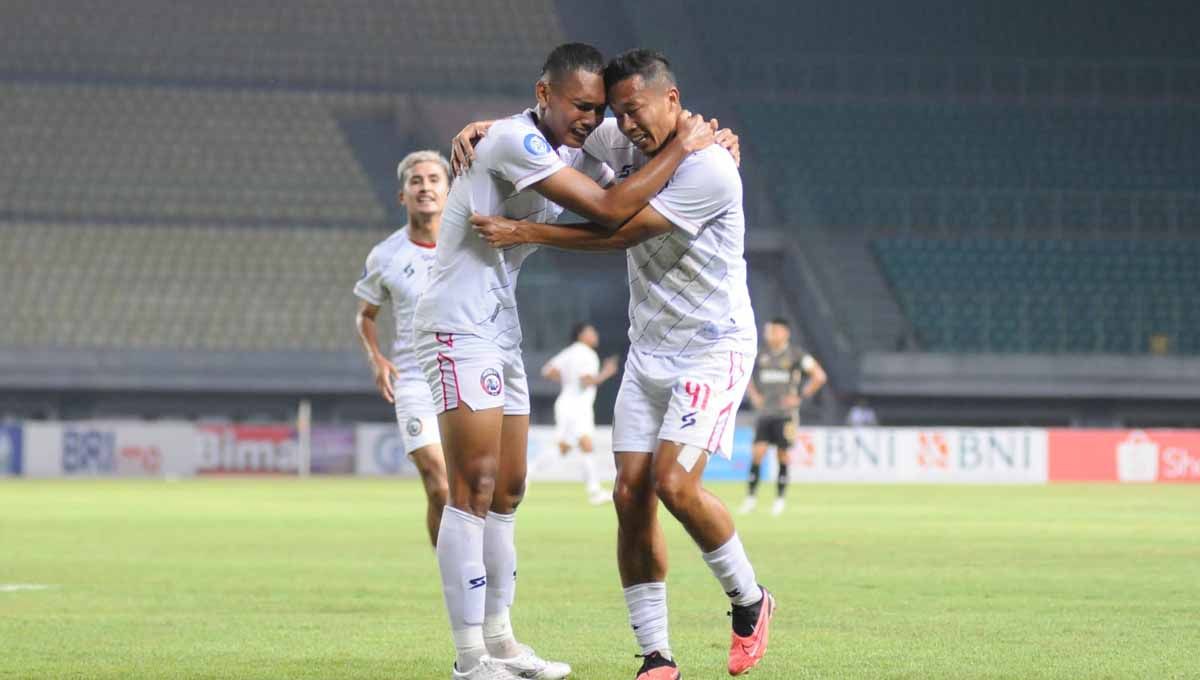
[573,420]
[691,400]
[466,369]
[415,414]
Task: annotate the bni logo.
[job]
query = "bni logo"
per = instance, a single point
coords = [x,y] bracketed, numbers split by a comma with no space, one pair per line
[933,451]
[804,450]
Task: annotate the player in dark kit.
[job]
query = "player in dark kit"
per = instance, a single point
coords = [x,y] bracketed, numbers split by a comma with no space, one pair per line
[776,392]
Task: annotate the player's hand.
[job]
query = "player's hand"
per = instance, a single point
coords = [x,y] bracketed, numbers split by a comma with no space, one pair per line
[792,401]
[462,147]
[727,139]
[499,232]
[693,131]
[609,367]
[385,373]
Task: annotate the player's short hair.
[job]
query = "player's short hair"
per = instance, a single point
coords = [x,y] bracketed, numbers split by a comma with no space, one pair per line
[404,169]
[569,58]
[651,65]
[780,321]
[577,329]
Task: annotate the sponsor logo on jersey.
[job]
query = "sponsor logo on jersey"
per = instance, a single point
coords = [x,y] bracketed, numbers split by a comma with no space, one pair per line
[490,381]
[689,419]
[535,145]
[413,427]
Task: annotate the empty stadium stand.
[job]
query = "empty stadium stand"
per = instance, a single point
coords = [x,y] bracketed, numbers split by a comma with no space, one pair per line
[1048,295]
[354,44]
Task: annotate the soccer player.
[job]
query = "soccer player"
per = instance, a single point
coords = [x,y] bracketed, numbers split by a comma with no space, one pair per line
[579,370]
[775,391]
[694,339]
[468,338]
[397,271]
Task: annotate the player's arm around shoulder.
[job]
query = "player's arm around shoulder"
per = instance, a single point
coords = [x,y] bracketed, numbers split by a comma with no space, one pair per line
[614,206]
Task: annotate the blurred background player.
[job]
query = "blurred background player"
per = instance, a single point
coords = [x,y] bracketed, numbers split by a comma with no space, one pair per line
[397,270]
[468,337]
[775,391]
[578,369]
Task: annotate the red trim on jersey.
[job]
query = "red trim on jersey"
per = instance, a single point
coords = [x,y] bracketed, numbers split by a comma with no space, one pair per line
[446,339]
[422,244]
[443,360]
[714,439]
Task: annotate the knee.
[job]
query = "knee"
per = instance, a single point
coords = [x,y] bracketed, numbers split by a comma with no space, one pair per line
[438,492]
[632,500]
[675,491]
[509,497]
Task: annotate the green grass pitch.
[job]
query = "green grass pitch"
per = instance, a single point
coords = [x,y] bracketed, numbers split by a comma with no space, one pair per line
[332,579]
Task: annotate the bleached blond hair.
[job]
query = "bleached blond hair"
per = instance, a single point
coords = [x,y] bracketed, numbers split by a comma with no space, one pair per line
[424,156]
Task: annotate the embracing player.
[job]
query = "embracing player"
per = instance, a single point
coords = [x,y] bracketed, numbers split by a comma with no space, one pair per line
[776,392]
[578,369]
[468,338]
[396,272]
[693,341]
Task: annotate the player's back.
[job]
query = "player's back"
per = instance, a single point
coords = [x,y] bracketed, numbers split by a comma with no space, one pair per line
[472,286]
[573,363]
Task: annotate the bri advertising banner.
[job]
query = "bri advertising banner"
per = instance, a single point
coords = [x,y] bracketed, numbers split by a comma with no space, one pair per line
[11,445]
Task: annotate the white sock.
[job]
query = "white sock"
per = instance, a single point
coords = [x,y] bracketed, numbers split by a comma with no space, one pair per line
[732,568]
[500,560]
[647,603]
[464,580]
[591,478]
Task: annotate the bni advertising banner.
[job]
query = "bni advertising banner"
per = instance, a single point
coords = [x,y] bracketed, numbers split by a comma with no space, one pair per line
[942,455]
[11,445]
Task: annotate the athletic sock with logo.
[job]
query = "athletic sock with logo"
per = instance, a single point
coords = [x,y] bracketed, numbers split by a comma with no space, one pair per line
[464,582]
[647,603]
[782,483]
[500,561]
[755,470]
[732,568]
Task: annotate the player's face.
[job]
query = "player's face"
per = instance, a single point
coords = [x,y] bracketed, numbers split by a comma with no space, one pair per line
[426,189]
[572,107]
[589,337]
[645,112]
[777,335]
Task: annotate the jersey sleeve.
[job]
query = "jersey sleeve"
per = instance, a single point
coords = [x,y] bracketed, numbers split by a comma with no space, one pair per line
[599,172]
[807,362]
[521,156]
[703,188]
[559,361]
[370,286]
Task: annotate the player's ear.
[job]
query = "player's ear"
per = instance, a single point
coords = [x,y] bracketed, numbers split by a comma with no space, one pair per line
[541,90]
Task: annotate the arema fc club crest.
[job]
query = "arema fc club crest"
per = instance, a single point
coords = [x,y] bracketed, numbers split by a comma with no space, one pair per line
[535,145]
[489,380]
[413,427]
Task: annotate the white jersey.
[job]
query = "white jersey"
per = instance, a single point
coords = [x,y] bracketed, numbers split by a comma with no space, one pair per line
[398,270]
[687,289]
[574,362]
[472,286]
